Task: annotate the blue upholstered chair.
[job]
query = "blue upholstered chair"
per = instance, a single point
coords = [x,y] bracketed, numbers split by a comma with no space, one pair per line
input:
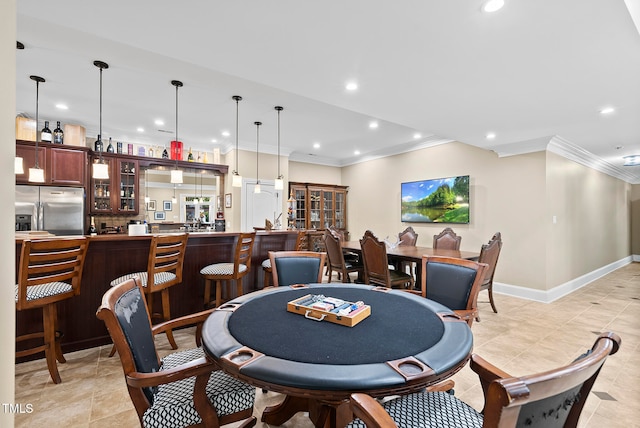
[296,267]
[551,399]
[301,245]
[454,283]
[184,389]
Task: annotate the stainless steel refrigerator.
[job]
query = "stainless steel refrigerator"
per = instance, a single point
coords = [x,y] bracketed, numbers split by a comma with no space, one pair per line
[57,210]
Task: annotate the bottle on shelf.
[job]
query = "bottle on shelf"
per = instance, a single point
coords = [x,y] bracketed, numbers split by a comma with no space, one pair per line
[92,227]
[204,159]
[110,146]
[165,154]
[98,144]
[150,152]
[199,157]
[190,156]
[58,135]
[119,147]
[45,134]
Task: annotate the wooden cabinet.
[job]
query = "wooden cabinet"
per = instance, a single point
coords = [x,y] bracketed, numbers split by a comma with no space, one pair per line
[63,166]
[319,206]
[119,193]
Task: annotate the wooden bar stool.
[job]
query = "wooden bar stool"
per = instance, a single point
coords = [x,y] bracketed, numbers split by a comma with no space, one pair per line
[235,270]
[164,270]
[50,271]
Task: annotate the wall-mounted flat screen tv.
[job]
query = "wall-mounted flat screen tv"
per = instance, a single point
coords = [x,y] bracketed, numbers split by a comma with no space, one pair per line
[439,200]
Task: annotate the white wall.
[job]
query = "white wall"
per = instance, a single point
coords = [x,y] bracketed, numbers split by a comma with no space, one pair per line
[7,195]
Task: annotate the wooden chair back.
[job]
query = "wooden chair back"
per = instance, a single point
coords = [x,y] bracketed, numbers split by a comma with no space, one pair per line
[50,260]
[554,398]
[374,258]
[243,250]
[296,267]
[447,240]
[408,237]
[454,283]
[489,254]
[166,254]
[335,255]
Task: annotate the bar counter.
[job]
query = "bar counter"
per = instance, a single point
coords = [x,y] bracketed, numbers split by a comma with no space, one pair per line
[110,256]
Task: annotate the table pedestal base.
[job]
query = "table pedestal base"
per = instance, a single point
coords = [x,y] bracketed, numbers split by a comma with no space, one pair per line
[323,414]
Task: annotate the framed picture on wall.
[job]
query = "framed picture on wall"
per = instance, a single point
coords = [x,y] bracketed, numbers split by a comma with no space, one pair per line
[167,206]
[227,200]
[151,206]
[159,215]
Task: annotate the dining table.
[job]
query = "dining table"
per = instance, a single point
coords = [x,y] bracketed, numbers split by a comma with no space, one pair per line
[413,253]
[405,344]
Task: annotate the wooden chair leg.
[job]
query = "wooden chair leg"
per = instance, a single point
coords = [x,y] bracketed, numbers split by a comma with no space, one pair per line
[218,293]
[493,305]
[207,292]
[58,336]
[267,275]
[166,315]
[48,319]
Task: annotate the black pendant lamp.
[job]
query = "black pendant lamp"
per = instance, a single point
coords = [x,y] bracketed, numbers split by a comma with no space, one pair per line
[36,174]
[100,169]
[257,124]
[236,177]
[279,182]
[176,174]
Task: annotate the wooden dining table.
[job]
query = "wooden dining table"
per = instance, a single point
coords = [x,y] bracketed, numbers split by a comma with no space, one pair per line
[412,253]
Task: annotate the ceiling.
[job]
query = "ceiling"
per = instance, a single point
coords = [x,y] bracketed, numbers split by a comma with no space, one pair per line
[533,73]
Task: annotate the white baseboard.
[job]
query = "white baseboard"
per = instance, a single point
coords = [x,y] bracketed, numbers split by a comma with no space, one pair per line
[548,296]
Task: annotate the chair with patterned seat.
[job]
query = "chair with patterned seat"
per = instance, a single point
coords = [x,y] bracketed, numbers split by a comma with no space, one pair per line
[376,265]
[447,240]
[49,271]
[301,245]
[164,270]
[229,271]
[553,398]
[184,389]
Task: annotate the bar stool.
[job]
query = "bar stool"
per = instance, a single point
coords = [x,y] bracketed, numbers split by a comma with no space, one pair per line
[164,270]
[235,270]
[50,271]
[301,244]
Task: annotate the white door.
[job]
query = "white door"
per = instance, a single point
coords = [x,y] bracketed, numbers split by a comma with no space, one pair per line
[260,206]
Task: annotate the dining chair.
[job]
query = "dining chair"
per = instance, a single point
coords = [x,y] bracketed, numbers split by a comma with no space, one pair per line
[296,267]
[229,271]
[376,265]
[49,271]
[164,270]
[336,260]
[301,245]
[183,389]
[554,398]
[454,283]
[489,254]
[407,237]
[447,240]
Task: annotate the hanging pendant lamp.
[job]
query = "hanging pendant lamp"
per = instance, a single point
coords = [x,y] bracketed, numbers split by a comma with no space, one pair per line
[100,169]
[279,182]
[176,174]
[36,174]
[257,188]
[237,178]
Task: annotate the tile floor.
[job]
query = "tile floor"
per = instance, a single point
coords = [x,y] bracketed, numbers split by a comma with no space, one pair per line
[525,337]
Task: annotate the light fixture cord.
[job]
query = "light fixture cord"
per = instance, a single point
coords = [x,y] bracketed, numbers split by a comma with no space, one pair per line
[237,116]
[278,143]
[257,150]
[37,103]
[177,126]
[100,130]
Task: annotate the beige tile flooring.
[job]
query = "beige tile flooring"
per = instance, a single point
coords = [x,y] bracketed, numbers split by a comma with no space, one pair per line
[525,337]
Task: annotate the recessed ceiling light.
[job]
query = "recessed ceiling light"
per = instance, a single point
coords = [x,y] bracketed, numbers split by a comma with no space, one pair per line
[373,124]
[631,160]
[316,145]
[62,106]
[225,133]
[159,122]
[490,136]
[140,129]
[214,140]
[351,86]
[357,152]
[492,5]
[417,136]
[607,110]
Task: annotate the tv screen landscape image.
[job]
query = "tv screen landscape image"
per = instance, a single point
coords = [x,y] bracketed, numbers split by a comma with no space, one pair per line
[440,200]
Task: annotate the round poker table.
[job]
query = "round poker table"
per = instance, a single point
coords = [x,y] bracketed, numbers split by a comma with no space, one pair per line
[404,345]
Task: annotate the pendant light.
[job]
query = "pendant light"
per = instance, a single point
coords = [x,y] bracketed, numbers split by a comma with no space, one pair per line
[147,199]
[195,187]
[100,169]
[176,174]
[279,183]
[36,174]
[237,178]
[257,124]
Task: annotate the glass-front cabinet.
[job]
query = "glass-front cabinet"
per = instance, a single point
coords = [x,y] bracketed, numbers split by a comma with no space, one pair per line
[319,206]
[117,194]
